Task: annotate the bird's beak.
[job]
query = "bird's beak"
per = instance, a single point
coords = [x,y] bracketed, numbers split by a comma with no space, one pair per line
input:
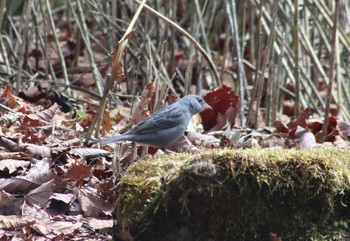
[206,106]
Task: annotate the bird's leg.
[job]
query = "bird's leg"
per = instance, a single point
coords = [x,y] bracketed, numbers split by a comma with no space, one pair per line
[116,166]
[144,150]
[133,151]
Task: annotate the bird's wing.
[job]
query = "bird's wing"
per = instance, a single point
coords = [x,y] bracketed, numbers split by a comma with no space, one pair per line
[164,119]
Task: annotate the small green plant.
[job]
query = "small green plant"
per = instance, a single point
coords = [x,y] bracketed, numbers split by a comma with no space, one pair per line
[341,224]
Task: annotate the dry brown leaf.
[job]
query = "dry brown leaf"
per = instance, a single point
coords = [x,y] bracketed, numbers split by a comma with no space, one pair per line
[341,143]
[142,110]
[100,223]
[182,144]
[9,144]
[12,222]
[90,152]
[78,172]
[6,203]
[57,227]
[37,175]
[301,120]
[17,185]
[281,126]
[91,204]
[33,94]
[40,195]
[273,141]
[33,212]
[10,118]
[37,150]
[63,197]
[15,155]
[12,165]
[7,98]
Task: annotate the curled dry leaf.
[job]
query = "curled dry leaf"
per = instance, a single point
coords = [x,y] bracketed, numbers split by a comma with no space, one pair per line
[63,197]
[203,140]
[224,104]
[60,203]
[46,115]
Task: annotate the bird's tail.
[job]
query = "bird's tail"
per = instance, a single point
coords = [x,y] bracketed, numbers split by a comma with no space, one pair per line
[112,139]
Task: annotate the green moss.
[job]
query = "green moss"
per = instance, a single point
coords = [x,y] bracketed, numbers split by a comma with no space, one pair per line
[140,188]
[234,194]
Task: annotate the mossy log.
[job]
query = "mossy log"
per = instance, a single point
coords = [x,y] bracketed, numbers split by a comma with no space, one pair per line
[237,195]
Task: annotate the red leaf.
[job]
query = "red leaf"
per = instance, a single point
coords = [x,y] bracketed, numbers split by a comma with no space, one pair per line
[301,120]
[224,105]
[281,127]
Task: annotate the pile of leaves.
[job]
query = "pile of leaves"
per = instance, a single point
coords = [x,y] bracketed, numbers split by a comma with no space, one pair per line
[49,186]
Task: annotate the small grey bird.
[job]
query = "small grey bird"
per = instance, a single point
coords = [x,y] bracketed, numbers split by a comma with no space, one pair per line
[165,126]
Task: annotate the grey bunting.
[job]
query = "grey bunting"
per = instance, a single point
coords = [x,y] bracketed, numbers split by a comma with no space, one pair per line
[165,126]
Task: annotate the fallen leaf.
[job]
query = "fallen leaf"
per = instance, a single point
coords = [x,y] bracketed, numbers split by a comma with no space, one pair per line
[224,104]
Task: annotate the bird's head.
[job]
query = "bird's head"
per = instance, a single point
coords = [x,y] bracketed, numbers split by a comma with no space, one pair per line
[194,103]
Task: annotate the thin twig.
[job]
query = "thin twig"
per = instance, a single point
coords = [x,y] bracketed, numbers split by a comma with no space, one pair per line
[296,58]
[59,51]
[267,56]
[22,48]
[331,72]
[231,13]
[84,34]
[194,41]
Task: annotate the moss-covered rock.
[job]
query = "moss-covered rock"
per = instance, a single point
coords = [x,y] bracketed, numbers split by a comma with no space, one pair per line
[237,195]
